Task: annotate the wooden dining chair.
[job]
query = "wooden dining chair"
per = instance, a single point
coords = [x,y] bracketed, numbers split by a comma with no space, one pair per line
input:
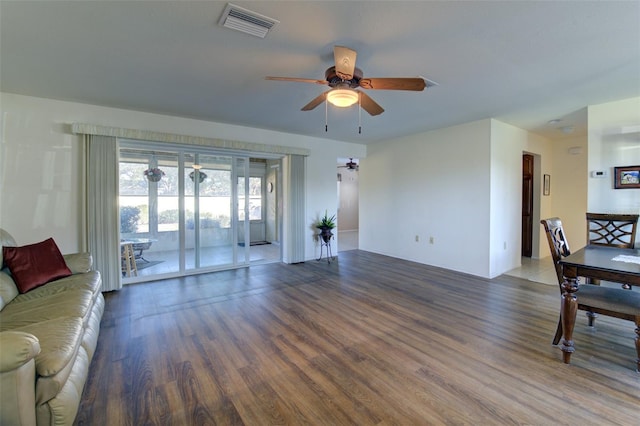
[612,230]
[594,299]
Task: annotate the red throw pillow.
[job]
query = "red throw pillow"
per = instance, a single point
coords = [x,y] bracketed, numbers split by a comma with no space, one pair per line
[35,264]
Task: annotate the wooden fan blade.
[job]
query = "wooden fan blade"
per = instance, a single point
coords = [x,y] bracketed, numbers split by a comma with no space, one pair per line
[345,59]
[416,83]
[369,104]
[314,103]
[299,80]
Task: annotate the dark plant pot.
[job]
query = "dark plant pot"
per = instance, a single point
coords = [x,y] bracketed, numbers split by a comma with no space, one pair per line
[326,234]
[153,178]
[201,177]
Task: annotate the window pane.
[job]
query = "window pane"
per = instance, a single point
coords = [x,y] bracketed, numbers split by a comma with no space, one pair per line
[132,181]
[208,213]
[168,199]
[168,185]
[134,198]
[255,198]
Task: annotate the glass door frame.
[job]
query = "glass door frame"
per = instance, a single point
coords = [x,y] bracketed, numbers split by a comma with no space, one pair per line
[239,160]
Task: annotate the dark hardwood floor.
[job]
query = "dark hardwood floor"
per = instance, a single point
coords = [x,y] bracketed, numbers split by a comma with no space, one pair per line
[365,340]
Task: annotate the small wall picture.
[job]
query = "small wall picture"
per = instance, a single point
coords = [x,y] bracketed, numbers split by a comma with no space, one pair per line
[627,177]
[546,185]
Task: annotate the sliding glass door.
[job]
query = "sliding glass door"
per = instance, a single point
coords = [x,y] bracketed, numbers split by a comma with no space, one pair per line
[209,211]
[184,211]
[149,209]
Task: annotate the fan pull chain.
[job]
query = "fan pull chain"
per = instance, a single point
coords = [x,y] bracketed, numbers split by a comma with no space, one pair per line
[359,114]
[326,115]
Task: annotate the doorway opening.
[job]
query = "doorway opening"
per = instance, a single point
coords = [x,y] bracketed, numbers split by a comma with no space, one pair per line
[348,225]
[527,204]
[531,202]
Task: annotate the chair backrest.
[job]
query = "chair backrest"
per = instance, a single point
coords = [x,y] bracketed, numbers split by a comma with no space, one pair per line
[558,243]
[615,230]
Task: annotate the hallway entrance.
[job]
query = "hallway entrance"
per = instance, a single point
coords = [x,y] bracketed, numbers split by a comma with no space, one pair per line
[348,223]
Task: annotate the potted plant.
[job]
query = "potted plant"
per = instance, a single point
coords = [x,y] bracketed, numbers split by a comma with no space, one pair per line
[154,174]
[326,224]
[201,176]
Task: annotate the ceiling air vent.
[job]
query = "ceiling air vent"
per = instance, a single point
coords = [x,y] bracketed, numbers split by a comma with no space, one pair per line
[240,19]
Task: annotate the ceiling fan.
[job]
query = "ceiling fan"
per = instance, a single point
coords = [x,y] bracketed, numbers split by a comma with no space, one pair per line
[344,78]
[350,165]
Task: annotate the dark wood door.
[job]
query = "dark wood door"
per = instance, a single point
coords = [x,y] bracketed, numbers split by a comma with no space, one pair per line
[527,204]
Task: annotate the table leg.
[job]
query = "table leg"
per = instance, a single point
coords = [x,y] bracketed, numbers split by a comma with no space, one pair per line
[128,260]
[568,312]
[638,346]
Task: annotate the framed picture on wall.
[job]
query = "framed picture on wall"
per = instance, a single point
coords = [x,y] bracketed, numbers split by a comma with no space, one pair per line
[546,185]
[626,177]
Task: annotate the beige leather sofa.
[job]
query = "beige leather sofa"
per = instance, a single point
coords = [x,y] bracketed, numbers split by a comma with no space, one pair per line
[47,339]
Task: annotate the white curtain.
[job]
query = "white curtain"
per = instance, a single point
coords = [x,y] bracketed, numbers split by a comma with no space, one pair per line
[294,171]
[102,227]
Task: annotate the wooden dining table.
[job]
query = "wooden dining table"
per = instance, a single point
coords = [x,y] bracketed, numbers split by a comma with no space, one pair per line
[592,262]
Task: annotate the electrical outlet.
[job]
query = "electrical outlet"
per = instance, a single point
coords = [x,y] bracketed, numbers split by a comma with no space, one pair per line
[432,240]
[417,238]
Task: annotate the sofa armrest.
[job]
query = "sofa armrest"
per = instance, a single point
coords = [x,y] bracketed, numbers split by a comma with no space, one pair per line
[17,349]
[79,263]
[18,378]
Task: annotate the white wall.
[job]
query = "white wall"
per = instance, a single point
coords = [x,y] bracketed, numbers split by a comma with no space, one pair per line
[508,144]
[40,177]
[433,184]
[506,197]
[569,189]
[462,186]
[614,140]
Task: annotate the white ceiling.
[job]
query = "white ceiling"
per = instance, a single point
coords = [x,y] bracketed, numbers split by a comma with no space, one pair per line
[521,62]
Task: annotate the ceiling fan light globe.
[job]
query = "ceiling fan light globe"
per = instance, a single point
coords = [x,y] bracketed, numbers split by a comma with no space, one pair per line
[342,97]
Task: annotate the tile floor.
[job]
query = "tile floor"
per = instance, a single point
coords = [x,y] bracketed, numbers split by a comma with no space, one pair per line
[542,271]
[538,270]
[347,240]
